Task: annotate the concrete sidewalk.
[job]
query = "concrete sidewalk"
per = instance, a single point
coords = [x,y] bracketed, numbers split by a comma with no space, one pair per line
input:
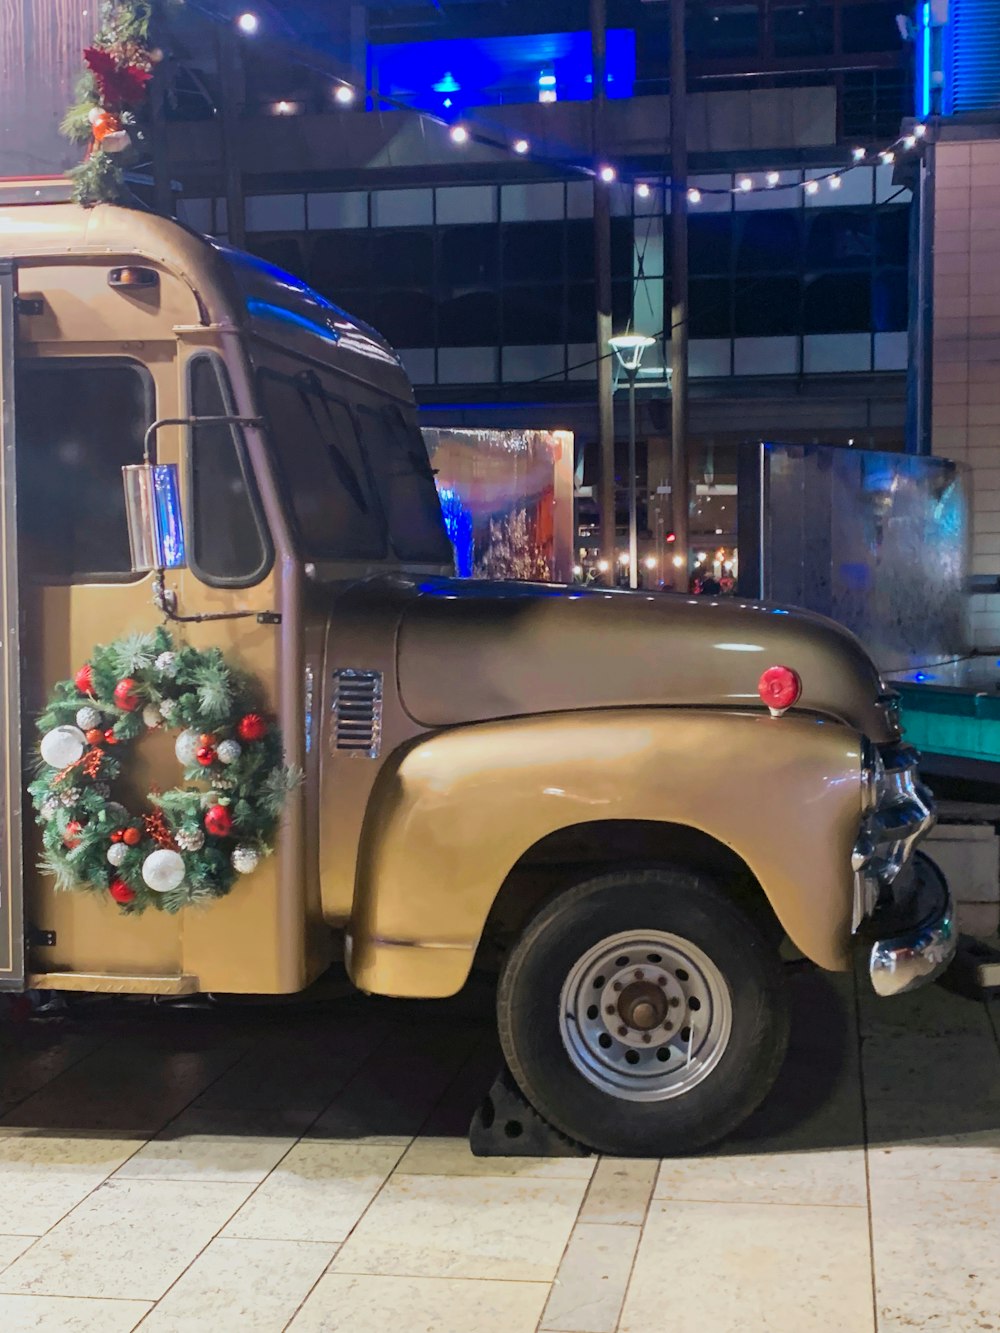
[305,1167]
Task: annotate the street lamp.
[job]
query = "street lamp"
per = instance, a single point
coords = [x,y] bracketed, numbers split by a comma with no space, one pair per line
[629,347]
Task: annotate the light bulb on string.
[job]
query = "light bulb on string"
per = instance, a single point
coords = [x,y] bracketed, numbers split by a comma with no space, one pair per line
[642,190]
[248,23]
[773,177]
[812,187]
[459,134]
[344,94]
[887,156]
[521,146]
[834,182]
[694,196]
[920,130]
[910,141]
[607,174]
[746,184]
[858,154]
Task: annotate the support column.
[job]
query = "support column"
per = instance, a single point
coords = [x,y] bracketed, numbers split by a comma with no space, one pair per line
[602,279]
[679,481]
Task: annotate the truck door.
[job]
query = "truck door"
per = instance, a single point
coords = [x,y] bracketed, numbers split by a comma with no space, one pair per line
[11,847]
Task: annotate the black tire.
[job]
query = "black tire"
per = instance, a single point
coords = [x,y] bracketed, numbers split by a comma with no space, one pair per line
[687,906]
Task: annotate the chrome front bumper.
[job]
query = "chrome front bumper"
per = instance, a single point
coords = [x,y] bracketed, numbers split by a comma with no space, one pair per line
[902,903]
[916,936]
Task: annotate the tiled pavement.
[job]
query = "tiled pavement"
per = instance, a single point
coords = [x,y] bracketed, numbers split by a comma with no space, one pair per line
[304,1167]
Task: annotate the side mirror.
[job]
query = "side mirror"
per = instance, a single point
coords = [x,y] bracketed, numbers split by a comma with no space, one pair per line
[155,522]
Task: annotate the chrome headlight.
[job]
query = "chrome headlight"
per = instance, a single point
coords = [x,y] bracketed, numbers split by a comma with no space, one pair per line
[873,779]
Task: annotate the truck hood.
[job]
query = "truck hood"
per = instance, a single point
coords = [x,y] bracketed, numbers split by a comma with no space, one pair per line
[473,652]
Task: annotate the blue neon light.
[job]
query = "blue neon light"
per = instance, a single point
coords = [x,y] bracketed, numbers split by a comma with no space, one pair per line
[925,60]
[546,80]
[169,528]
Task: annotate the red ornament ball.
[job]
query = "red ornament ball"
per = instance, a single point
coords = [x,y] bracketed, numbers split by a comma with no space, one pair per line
[72,835]
[206,738]
[132,837]
[121,892]
[218,821]
[126,695]
[205,755]
[252,727]
[118,835]
[95,736]
[84,680]
[109,737]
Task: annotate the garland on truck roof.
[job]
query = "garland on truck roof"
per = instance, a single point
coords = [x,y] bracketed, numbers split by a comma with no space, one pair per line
[109,94]
[194,841]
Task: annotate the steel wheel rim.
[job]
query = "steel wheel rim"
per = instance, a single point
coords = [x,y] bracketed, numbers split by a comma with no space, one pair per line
[645,1015]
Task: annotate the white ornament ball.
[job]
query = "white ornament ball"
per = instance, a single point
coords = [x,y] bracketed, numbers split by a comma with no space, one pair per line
[186,747]
[163,870]
[151,715]
[229,751]
[167,707]
[117,853]
[166,664]
[88,718]
[62,746]
[190,840]
[245,859]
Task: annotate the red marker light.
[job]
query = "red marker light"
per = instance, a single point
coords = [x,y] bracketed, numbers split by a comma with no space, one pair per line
[780,688]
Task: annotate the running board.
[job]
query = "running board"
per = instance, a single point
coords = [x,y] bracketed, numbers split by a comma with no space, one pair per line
[103,983]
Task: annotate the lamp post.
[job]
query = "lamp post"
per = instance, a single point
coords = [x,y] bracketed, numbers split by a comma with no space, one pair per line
[629,347]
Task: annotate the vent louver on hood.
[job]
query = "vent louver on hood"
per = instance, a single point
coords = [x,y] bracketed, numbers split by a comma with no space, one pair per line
[356,712]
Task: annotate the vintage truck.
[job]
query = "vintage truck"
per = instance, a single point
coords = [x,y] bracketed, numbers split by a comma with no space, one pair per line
[627,802]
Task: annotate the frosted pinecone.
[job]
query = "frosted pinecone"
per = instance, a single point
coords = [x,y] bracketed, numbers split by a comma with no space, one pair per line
[103,789]
[70,796]
[88,718]
[245,859]
[49,807]
[190,840]
[166,665]
[167,708]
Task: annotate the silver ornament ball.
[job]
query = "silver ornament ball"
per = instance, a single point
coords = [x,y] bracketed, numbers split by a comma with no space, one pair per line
[88,718]
[117,853]
[229,751]
[186,747]
[245,859]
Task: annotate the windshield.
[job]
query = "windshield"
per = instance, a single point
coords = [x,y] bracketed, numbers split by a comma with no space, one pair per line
[353,466]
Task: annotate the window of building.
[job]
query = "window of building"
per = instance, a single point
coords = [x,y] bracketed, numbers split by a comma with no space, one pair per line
[335,508]
[804,29]
[718,32]
[838,303]
[79,422]
[870,26]
[229,544]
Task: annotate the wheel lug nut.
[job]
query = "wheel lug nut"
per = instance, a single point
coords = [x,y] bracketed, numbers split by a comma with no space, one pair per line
[661,981]
[646,1038]
[639,974]
[668,1027]
[622,1030]
[617,986]
[674,1002]
[610,1009]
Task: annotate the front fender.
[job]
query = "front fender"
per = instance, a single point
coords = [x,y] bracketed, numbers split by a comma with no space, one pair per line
[450,817]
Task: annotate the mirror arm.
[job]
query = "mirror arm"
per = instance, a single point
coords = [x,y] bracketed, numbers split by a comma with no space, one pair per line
[154,426]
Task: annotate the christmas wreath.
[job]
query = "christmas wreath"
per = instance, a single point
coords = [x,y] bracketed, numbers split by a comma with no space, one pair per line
[194,841]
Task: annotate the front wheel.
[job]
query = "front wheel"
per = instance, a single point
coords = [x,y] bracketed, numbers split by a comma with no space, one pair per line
[643,1012]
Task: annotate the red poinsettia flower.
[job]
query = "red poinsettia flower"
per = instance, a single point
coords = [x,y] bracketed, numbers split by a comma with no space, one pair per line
[119,85]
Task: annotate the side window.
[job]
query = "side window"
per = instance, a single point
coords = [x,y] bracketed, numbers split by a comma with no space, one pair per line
[78,423]
[229,540]
[334,503]
[406,485]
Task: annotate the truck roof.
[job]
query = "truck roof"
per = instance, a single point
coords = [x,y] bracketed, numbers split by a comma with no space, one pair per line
[39,220]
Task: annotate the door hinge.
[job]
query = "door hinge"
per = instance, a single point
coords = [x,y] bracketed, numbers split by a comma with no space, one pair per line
[39,939]
[29,305]
[268,617]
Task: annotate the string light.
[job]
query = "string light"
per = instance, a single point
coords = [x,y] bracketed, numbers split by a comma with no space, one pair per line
[887,156]
[773,177]
[858,154]
[521,146]
[642,190]
[248,24]
[834,182]
[608,174]
[694,196]
[344,94]
[459,134]
[920,130]
[812,187]
[910,141]
[746,184]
